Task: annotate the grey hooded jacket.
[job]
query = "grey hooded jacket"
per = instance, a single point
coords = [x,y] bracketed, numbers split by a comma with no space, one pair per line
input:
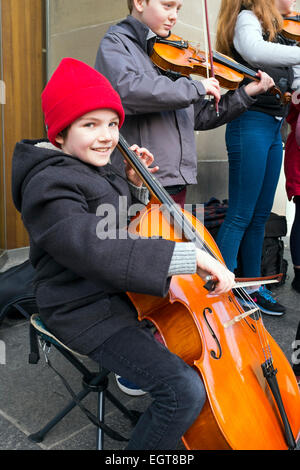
[161,114]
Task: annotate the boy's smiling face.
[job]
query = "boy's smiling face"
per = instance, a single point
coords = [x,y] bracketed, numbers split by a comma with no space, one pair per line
[159,15]
[93,137]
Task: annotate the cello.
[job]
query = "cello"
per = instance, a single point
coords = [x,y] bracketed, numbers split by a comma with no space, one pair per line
[253,400]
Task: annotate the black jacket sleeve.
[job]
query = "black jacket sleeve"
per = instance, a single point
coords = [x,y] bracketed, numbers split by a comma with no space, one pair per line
[231,105]
[58,219]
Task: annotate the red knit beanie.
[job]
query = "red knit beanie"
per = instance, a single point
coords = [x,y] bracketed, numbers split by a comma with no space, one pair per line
[75,89]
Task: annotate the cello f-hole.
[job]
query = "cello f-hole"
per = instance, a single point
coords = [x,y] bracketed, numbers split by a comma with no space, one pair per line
[250,325]
[212,352]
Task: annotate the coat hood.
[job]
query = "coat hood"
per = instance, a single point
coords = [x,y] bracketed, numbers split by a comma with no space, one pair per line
[29,158]
[137,32]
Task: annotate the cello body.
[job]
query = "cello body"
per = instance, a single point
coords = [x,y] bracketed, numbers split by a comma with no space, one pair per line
[240,411]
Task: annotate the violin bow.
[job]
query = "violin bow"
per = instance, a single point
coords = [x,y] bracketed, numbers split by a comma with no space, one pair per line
[241,282]
[210,48]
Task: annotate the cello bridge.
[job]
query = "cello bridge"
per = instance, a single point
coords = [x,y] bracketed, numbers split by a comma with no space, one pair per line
[240,317]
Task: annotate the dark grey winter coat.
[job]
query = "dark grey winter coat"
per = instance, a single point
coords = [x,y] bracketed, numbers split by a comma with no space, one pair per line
[82,279]
[161,114]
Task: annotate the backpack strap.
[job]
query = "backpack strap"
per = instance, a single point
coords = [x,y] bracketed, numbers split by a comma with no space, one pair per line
[34,355]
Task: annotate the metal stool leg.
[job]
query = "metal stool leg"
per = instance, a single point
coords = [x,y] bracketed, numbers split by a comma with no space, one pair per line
[39,436]
[92,382]
[100,414]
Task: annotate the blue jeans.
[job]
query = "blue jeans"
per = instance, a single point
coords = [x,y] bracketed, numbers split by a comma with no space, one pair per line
[254,148]
[177,390]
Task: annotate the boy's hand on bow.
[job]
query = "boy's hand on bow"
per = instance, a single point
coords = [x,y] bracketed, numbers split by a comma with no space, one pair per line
[147,159]
[212,88]
[207,265]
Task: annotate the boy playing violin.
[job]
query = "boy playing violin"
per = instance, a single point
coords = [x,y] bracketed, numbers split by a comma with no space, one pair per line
[162,114]
[82,277]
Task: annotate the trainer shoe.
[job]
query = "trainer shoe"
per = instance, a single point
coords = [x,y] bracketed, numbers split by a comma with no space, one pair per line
[264,300]
[128,387]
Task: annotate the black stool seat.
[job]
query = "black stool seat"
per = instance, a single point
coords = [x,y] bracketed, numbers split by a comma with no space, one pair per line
[92,382]
[16,291]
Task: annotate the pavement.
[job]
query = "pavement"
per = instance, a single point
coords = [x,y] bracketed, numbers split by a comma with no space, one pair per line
[31,394]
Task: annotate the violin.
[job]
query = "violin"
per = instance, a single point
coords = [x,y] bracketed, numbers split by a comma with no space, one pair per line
[177,55]
[253,400]
[291,26]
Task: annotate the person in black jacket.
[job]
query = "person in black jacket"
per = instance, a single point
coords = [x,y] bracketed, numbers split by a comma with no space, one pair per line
[85,268]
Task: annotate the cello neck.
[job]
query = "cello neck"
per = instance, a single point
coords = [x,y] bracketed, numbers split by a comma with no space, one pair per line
[158,191]
[154,186]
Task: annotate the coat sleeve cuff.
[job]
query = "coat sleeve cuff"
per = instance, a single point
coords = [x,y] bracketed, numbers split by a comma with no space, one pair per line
[140,193]
[249,100]
[183,260]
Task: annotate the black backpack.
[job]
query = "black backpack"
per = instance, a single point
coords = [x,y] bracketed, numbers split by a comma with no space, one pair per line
[214,211]
[273,261]
[17,291]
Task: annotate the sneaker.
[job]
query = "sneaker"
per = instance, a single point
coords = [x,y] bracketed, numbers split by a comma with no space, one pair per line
[128,387]
[264,300]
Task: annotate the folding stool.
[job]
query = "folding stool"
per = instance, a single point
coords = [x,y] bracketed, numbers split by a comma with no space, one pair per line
[92,382]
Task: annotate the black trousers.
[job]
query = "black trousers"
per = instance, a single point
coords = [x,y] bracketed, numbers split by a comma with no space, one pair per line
[177,390]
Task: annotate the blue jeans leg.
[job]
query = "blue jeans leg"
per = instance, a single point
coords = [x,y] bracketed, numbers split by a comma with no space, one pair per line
[255,156]
[177,390]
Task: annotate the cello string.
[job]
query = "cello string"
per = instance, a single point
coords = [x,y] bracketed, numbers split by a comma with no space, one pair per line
[257,315]
[180,219]
[244,295]
[259,324]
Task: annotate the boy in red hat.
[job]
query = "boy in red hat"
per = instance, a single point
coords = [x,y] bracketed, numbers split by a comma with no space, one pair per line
[81,275]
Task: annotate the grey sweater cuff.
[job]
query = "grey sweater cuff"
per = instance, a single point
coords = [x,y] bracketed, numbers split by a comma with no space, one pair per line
[141,193]
[183,260]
